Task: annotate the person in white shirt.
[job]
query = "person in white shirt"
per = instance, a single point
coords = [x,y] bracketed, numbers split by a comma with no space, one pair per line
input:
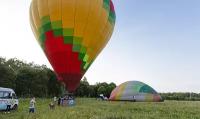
[32,105]
[55,100]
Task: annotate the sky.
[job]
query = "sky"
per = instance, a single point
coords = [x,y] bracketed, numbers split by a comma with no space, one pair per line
[154,41]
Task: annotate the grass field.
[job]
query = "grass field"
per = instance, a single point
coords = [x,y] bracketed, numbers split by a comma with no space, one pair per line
[93,109]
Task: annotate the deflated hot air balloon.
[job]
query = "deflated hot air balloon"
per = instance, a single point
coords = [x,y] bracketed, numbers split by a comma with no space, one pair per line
[135,91]
[72,33]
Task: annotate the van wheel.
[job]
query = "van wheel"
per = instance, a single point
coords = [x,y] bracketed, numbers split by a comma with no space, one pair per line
[15,107]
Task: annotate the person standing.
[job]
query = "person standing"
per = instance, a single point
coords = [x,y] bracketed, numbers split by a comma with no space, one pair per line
[62,101]
[32,105]
[8,103]
[55,100]
[59,101]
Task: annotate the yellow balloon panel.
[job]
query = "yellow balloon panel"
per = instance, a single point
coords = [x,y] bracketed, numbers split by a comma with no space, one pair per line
[33,26]
[35,15]
[43,8]
[68,6]
[103,21]
[99,29]
[55,13]
[148,97]
[90,27]
[106,34]
[35,20]
[81,16]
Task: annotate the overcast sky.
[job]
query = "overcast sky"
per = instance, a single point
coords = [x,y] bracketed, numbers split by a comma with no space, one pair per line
[155,41]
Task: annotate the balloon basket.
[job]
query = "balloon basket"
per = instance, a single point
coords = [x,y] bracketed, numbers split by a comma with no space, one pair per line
[68,100]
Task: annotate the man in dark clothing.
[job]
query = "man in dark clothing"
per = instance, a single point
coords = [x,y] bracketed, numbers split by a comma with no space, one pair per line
[8,103]
[59,100]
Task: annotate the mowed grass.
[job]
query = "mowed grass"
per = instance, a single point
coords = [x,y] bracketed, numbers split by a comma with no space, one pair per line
[87,108]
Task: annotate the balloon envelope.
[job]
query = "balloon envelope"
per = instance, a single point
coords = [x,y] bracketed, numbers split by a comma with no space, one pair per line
[72,33]
[134,91]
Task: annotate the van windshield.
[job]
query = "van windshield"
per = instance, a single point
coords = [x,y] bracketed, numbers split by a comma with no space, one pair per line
[4,94]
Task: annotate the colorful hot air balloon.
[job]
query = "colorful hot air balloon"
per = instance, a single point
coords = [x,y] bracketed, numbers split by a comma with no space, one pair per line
[135,91]
[72,33]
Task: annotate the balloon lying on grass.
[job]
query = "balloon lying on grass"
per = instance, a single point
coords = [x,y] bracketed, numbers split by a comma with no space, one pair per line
[135,91]
[72,33]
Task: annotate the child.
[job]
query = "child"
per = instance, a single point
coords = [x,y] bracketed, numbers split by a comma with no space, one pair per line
[32,105]
[54,100]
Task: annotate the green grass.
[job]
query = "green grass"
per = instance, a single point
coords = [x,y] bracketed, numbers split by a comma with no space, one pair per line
[93,109]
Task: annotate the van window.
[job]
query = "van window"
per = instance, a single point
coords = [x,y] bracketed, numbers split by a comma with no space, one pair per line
[4,94]
[1,94]
[14,96]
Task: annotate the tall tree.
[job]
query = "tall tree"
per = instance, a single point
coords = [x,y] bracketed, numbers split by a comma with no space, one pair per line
[7,77]
[54,86]
[83,89]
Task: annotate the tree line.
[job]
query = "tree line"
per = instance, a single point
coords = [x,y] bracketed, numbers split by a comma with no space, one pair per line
[186,96]
[29,79]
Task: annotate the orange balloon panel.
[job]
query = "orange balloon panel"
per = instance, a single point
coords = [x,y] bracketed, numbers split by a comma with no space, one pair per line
[72,33]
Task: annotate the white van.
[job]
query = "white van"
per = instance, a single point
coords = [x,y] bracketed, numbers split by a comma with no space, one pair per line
[8,95]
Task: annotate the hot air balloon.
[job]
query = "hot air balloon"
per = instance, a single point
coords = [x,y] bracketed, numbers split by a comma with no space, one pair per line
[135,91]
[72,33]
